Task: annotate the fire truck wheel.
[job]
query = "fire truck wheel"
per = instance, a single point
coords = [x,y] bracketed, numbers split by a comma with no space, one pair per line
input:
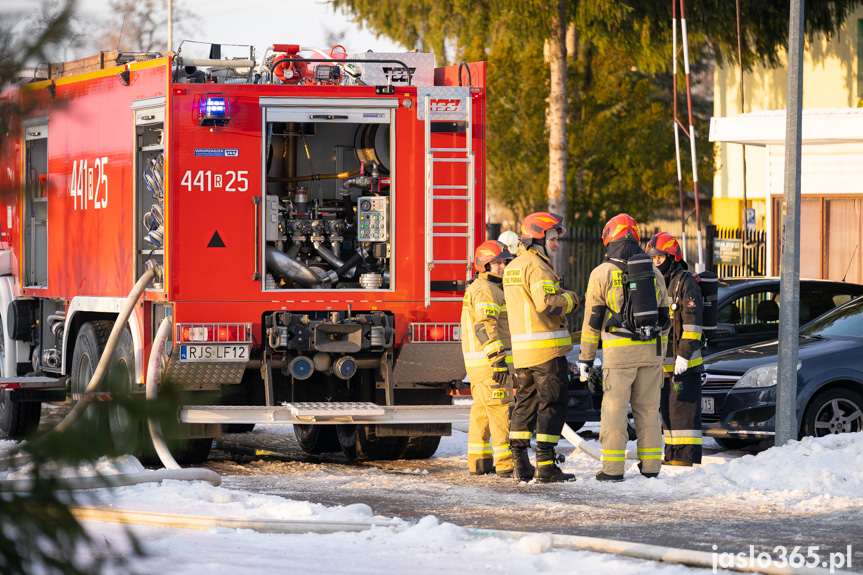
[359,443]
[88,350]
[17,419]
[419,447]
[127,426]
[191,451]
[316,439]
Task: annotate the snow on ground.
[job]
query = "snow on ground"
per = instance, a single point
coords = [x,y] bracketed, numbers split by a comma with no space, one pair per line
[812,474]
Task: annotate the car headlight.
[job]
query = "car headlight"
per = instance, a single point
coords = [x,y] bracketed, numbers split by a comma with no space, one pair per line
[762,376]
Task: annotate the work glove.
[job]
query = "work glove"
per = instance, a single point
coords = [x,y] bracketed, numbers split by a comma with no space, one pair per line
[680,365]
[499,371]
[583,370]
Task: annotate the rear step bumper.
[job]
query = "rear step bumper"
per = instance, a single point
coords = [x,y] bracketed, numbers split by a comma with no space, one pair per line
[326,414]
[32,383]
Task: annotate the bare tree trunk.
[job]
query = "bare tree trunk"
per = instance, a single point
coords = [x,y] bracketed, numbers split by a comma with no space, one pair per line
[557,147]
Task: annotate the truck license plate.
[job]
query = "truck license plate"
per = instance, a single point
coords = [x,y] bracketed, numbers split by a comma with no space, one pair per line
[214,353]
[707,405]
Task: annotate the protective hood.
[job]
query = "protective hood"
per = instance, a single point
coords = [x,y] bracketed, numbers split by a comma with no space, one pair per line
[622,249]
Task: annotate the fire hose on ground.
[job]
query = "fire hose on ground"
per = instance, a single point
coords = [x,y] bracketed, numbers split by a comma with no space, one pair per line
[643,551]
[173,470]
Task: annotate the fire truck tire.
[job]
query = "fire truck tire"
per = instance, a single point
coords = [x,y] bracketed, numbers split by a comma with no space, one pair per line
[359,443]
[17,419]
[88,350]
[243,394]
[317,439]
[419,447]
[191,451]
[127,428]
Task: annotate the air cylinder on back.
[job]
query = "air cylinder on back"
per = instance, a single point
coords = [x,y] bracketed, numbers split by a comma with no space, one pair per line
[641,284]
[709,284]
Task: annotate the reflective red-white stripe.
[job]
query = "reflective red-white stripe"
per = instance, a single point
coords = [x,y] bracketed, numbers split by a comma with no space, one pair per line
[92,397]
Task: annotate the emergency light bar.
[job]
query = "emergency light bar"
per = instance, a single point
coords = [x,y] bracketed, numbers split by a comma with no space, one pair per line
[435,332]
[214,110]
[214,333]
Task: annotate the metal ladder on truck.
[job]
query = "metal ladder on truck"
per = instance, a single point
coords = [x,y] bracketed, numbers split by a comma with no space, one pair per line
[439,107]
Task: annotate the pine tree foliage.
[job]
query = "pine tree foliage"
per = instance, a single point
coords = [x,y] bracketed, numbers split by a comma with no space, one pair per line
[620,131]
[643,27]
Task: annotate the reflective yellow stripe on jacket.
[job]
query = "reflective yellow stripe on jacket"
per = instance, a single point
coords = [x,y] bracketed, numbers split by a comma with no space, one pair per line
[542,339]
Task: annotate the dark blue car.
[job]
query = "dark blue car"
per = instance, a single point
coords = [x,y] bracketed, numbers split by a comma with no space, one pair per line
[739,385]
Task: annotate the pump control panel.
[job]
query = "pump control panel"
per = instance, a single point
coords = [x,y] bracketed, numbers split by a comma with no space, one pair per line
[373,216]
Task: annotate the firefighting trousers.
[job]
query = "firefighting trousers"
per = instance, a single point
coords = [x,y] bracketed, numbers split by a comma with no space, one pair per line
[640,388]
[681,418]
[540,404]
[488,432]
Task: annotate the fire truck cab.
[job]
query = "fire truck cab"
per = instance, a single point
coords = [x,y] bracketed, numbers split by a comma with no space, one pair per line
[308,219]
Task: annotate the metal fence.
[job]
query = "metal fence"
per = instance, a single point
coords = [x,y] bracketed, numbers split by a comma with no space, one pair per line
[753,256]
[584,249]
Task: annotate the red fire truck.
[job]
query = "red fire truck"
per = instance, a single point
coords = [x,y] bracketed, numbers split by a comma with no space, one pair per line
[308,219]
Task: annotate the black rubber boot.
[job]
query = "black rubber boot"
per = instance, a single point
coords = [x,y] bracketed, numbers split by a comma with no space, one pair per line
[547,470]
[522,470]
[602,476]
[648,475]
[483,467]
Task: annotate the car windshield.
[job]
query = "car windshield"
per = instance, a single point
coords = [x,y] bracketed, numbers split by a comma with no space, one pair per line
[845,321]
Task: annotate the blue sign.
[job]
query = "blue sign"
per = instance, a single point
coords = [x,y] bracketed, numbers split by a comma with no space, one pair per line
[217,152]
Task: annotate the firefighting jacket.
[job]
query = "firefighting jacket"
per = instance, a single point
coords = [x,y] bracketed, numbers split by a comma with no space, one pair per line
[687,310]
[604,299]
[484,328]
[537,308]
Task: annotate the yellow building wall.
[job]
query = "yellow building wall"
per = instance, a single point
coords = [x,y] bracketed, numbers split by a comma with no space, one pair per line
[830,72]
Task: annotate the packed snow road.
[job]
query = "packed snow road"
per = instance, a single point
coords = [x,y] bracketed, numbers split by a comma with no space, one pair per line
[806,495]
[810,494]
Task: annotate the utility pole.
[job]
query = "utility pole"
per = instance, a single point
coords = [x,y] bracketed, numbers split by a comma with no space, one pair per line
[170,26]
[789,311]
[745,232]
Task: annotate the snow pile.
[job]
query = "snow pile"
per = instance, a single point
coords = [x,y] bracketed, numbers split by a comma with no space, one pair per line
[426,546]
[811,474]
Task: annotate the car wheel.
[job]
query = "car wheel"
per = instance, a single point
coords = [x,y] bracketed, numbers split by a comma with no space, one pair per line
[834,411]
[730,443]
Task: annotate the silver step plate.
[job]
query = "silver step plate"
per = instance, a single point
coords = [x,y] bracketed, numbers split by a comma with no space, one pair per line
[326,414]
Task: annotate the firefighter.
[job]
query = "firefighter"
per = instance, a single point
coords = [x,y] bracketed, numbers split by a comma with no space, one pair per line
[681,392]
[537,308]
[487,357]
[510,238]
[631,366]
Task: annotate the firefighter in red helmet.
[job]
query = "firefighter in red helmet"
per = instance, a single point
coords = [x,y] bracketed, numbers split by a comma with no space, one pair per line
[537,308]
[485,344]
[681,392]
[617,298]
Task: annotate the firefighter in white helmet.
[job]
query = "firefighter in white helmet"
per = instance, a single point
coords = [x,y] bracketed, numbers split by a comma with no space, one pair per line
[487,356]
[510,238]
[537,308]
